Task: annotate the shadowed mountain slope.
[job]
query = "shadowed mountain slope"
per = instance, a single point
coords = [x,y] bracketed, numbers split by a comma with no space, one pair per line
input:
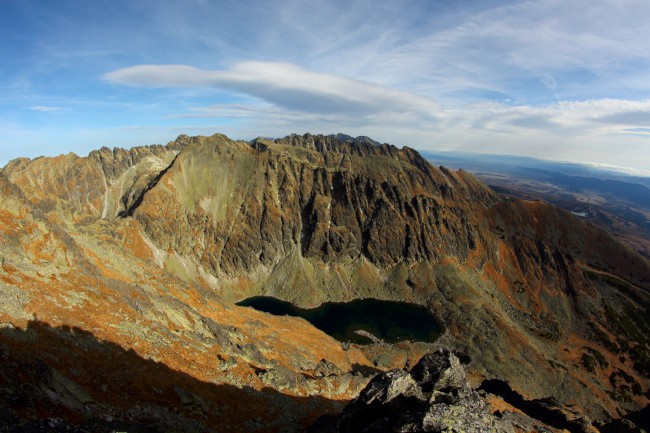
[69,376]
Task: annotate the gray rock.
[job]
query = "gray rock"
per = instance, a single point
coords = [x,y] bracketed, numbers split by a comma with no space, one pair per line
[433,397]
[325,368]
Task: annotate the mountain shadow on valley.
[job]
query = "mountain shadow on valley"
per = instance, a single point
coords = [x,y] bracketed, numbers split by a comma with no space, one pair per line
[56,379]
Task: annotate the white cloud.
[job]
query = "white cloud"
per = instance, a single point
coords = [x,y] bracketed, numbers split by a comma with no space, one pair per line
[46,108]
[584,118]
[288,98]
[619,169]
[288,86]
[539,50]
[612,131]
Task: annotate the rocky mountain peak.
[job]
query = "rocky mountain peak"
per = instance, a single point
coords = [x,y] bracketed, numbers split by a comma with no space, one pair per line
[358,139]
[338,143]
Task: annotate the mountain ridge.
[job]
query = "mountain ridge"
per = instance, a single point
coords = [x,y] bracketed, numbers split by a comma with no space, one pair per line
[530,293]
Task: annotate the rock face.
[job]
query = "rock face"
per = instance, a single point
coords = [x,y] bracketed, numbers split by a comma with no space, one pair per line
[311,196]
[147,247]
[433,397]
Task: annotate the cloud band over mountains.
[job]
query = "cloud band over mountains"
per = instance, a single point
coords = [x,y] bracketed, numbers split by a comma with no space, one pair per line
[289,90]
[285,85]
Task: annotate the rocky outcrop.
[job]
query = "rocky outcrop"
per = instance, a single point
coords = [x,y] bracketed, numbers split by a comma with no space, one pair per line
[434,396]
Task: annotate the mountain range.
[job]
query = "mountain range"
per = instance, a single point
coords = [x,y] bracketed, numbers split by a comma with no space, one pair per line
[119,272]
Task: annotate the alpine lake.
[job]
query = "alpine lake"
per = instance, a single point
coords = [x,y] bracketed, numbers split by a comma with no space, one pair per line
[388,321]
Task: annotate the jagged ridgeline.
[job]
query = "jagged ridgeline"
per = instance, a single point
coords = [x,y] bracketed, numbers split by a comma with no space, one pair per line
[212,207]
[252,206]
[533,295]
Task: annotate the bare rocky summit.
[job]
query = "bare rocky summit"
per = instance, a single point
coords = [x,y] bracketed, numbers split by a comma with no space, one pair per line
[142,252]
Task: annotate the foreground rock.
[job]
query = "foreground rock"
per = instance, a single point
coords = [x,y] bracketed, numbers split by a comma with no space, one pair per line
[434,396]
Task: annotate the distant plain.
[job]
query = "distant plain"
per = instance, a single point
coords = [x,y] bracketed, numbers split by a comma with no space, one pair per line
[616,201]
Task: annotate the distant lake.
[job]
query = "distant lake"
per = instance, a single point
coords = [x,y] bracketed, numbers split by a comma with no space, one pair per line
[388,320]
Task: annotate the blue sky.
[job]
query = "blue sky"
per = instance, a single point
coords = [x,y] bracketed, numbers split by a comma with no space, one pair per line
[556,79]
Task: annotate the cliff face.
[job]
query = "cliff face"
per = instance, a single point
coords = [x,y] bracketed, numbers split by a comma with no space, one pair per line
[532,295]
[330,201]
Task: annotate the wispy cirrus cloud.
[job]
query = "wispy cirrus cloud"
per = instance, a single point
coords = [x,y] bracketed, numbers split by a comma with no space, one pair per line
[47,108]
[590,117]
[530,51]
[287,86]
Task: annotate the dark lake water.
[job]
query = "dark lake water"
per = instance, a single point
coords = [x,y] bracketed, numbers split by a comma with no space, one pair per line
[391,321]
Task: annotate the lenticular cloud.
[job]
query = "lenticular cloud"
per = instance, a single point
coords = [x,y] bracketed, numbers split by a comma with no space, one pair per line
[285,85]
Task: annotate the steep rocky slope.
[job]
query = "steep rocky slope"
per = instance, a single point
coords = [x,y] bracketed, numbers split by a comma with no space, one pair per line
[92,335]
[533,296]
